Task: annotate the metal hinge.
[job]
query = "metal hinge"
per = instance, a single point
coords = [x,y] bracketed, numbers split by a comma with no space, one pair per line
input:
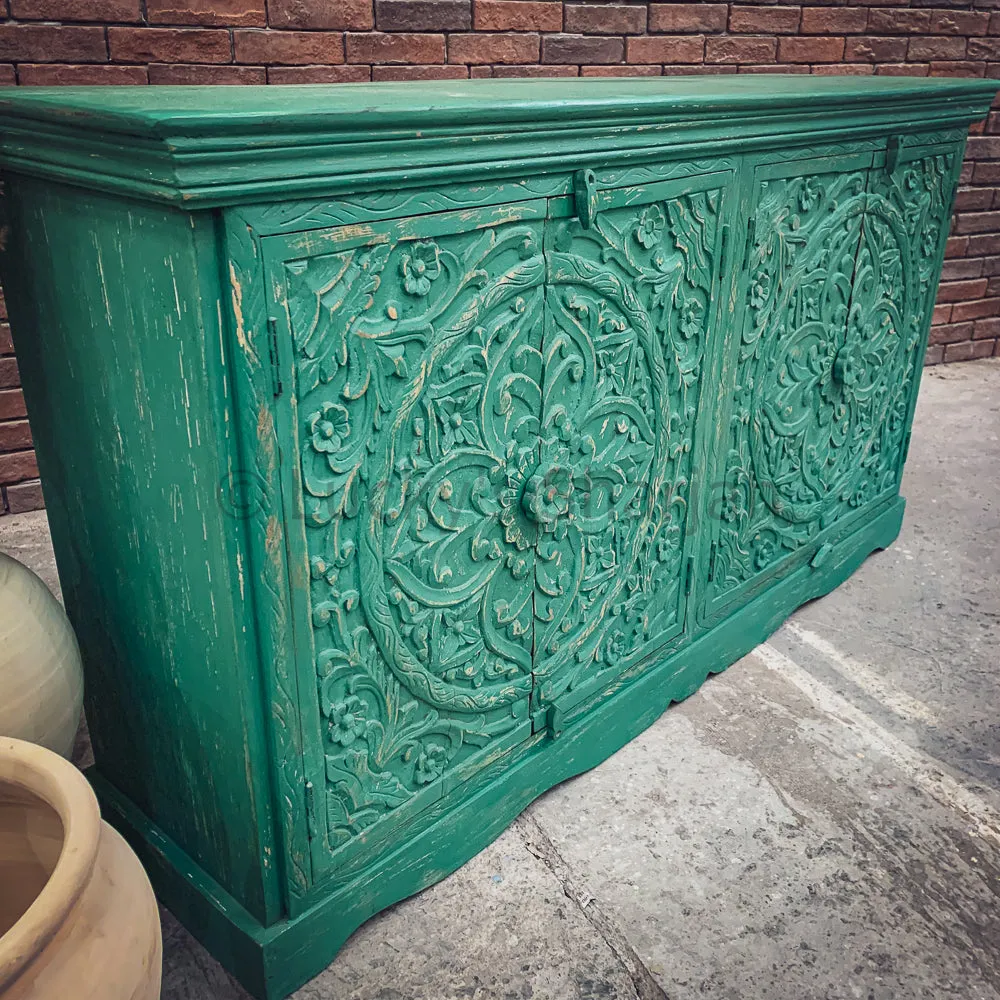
[723,250]
[554,720]
[272,354]
[689,576]
[892,148]
[585,196]
[751,228]
[311,824]
[711,562]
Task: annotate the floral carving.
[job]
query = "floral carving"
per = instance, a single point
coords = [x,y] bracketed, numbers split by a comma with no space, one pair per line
[651,223]
[420,267]
[328,428]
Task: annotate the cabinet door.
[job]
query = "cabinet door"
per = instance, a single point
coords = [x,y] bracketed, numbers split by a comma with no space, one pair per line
[822,364]
[629,317]
[413,349]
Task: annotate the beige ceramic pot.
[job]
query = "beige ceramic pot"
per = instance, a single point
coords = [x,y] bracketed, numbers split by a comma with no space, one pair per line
[41,677]
[78,919]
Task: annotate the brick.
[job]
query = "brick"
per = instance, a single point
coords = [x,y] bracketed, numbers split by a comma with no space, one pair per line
[15,435]
[25,496]
[898,22]
[810,50]
[581,49]
[480,72]
[76,10]
[941,314]
[746,49]
[934,356]
[290,48]
[880,49]
[950,333]
[903,69]
[970,69]
[665,49]
[169,45]
[993,288]
[962,268]
[844,69]
[623,71]
[674,18]
[714,70]
[956,246]
[88,74]
[959,22]
[7,75]
[437,72]
[417,50]
[52,43]
[834,20]
[318,74]
[965,174]
[16,466]
[334,15]
[983,246]
[983,48]
[6,341]
[210,13]
[973,199]
[978,222]
[483,48]
[986,327]
[968,352]
[9,377]
[963,311]
[12,404]
[958,291]
[517,15]
[605,19]
[526,71]
[201,76]
[761,20]
[987,148]
[936,47]
[423,15]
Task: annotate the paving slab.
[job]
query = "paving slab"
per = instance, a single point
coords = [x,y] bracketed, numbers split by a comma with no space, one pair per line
[821,821]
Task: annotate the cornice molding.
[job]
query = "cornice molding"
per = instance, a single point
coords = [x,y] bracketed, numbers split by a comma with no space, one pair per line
[199,147]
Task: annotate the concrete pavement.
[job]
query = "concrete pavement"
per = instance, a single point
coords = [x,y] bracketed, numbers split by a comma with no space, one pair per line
[819,822]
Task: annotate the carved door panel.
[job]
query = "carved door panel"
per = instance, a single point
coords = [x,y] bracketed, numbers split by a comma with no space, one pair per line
[899,261]
[831,314]
[414,352]
[629,319]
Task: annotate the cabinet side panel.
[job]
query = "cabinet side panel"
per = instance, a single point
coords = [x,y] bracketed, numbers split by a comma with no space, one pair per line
[116,316]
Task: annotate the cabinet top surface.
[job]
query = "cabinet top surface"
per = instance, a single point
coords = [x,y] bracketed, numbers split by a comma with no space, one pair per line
[220,145]
[170,110]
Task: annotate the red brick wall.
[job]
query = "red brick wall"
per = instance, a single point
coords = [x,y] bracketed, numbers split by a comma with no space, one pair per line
[327,41]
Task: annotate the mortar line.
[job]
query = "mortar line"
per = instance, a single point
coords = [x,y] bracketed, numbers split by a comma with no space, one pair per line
[541,845]
[926,772]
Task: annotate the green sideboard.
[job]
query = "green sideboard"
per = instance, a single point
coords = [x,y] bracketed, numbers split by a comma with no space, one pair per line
[408,449]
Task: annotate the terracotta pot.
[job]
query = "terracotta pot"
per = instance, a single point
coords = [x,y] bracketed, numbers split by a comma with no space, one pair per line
[78,918]
[41,677]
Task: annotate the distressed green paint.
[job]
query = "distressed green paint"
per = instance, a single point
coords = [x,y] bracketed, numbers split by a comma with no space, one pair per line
[432,467]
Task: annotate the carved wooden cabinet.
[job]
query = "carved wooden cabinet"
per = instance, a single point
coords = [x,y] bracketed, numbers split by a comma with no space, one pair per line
[408,450]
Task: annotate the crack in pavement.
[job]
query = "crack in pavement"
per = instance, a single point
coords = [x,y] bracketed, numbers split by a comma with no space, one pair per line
[541,845]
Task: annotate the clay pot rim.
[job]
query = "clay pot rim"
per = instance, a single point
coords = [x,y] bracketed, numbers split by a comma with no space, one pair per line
[60,785]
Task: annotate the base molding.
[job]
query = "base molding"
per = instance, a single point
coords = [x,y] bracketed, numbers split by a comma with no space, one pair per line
[273,961]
